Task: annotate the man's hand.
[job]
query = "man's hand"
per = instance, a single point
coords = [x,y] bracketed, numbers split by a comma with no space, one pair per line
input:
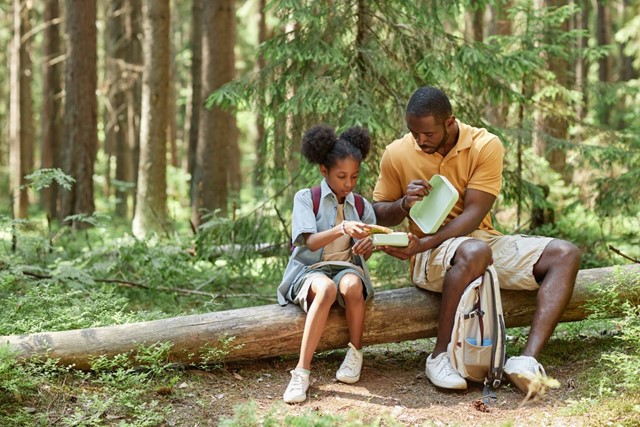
[417,189]
[415,245]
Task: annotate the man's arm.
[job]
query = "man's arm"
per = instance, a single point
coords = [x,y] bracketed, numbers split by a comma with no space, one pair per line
[392,213]
[477,204]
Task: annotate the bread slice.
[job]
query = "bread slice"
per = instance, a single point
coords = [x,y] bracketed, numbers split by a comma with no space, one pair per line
[378,229]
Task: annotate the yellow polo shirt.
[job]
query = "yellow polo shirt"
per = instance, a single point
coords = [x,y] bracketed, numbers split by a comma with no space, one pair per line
[474,162]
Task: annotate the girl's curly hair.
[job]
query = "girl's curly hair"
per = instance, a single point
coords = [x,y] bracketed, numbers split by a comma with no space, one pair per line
[321,145]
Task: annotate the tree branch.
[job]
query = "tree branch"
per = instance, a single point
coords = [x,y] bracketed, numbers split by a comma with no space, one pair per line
[623,255]
[129,284]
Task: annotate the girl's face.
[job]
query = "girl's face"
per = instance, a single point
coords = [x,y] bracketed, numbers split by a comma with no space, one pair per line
[342,177]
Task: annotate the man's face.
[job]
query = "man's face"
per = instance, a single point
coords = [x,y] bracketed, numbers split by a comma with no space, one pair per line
[430,134]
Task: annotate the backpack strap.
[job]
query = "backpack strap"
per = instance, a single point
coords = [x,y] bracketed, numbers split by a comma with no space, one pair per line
[315,196]
[359,204]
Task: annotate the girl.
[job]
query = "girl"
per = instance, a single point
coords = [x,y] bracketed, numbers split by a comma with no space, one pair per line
[331,246]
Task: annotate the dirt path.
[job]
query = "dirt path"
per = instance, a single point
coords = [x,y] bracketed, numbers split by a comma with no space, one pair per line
[392,386]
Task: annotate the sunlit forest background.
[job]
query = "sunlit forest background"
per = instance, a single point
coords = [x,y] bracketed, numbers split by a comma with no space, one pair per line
[149,151]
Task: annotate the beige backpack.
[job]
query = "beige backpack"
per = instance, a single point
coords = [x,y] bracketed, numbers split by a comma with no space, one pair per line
[477,347]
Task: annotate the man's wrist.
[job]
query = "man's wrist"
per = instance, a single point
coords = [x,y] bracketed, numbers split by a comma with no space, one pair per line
[342,229]
[403,206]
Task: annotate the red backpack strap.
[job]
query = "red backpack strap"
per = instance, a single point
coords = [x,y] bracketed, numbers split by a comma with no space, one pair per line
[359,205]
[315,196]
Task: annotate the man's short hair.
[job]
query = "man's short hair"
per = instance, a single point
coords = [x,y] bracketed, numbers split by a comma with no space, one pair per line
[429,101]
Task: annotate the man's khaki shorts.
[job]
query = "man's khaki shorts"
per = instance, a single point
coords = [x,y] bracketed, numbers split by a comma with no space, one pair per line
[513,258]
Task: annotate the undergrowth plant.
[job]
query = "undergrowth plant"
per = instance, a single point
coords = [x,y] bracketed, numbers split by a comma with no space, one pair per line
[212,356]
[621,298]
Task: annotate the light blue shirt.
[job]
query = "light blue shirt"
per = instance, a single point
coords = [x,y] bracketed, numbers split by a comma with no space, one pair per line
[304,221]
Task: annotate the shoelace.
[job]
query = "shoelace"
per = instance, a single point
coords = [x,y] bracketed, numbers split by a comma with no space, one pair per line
[351,359]
[297,382]
[446,363]
[538,369]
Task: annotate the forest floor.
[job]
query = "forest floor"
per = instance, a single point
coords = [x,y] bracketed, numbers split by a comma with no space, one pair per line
[393,390]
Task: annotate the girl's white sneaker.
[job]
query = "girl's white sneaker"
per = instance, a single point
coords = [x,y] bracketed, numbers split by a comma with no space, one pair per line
[349,371]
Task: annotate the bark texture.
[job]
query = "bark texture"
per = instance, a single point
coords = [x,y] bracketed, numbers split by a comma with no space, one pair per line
[80,139]
[217,128]
[20,109]
[51,119]
[151,198]
[271,330]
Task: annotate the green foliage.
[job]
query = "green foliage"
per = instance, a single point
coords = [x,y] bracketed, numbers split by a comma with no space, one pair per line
[51,305]
[245,416]
[125,388]
[212,356]
[43,178]
[622,362]
[14,380]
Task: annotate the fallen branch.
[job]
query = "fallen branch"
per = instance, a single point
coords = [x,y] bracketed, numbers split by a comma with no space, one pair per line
[182,291]
[270,330]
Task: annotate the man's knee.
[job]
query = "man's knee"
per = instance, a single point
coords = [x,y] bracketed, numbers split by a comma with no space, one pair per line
[474,256]
[560,253]
[558,258]
[565,251]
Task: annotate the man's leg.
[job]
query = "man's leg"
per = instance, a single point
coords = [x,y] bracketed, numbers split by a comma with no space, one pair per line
[469,262]
[556,272]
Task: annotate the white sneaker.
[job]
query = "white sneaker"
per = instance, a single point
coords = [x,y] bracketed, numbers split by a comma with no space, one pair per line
[442,374]
[349,371]
[522,371]
[297,389]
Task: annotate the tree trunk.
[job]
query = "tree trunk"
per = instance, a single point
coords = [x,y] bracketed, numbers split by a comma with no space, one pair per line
[269,331]
[196,91]
[172,130]
[581,23]
[499,24]
[151,198]
[604,38]
[474,23]
[51,118]
[134,92]
[79,143]
[20,109]
[118,82]
[260,144]
[217,127]
[551,124]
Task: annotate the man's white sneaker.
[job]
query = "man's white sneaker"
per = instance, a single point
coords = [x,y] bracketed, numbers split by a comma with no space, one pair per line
[349,371]
[442,374]
[297,389]
[522,371]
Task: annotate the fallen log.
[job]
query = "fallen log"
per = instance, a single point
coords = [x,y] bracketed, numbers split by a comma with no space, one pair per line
[271,330]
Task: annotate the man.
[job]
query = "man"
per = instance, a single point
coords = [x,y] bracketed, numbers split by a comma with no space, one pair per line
[462,249]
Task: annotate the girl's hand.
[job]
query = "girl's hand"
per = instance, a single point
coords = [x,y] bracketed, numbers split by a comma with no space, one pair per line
[357,230]
[363,247]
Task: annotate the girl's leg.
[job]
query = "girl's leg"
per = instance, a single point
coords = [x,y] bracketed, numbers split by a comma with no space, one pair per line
[321,296]
[350,288]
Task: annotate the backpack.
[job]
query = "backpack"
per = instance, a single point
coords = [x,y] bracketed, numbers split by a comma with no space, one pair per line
[315,197]
[477,347]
